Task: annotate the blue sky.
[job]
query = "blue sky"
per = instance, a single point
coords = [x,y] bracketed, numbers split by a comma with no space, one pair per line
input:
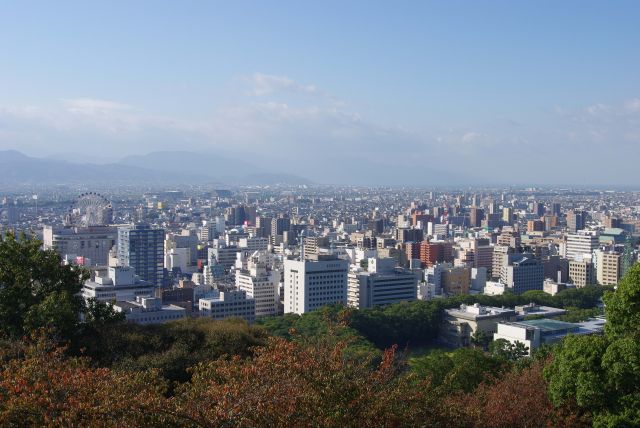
[455,86]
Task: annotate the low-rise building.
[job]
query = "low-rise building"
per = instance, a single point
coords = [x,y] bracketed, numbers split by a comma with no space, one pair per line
[119,284]
[233,303]
[535,333]
[532,309]
[149,310]
[461,324]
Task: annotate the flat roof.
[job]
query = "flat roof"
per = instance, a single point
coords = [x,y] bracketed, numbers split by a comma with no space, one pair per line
[549,325]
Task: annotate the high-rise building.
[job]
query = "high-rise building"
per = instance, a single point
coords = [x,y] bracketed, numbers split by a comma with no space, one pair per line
[535,226]
[556,209]
[580,244]
[476,215]
[550,221]
[575,220]
[280,225]
[498,259]
[380,284]
[263,226]
[260,283]
[456,280]
[507,215]
[581,273]
[310,284]
[607,267]
[612,222]
[510,239]
[409,235]
[142,248]
[412,249]
[522,272]
[432,252]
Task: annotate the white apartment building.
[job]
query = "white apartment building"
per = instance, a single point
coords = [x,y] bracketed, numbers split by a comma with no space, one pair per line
[234,303]
[380,284]
[260,283]
[580,245]
[310,284]
[253,243]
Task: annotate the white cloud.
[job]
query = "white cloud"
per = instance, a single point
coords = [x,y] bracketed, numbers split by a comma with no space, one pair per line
[597,109]
[282,120]
[267,84]
[470,137]
[633,106]
[93,106]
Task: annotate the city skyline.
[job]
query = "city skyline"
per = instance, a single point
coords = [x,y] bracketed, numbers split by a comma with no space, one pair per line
[358,93]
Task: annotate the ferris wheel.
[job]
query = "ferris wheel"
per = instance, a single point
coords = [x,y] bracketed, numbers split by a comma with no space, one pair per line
[90,209]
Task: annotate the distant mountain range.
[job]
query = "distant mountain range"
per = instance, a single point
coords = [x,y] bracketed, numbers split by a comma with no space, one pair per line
[179,167]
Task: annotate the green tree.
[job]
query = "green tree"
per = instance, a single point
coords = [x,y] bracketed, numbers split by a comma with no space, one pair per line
[480,339]
[36,290]
[459,370]
[503,349]
[602,373]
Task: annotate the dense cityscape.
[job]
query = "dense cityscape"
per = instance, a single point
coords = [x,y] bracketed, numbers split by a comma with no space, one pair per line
[240,252]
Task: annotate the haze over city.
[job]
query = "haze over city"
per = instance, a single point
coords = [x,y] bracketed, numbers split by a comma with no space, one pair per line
[333,92]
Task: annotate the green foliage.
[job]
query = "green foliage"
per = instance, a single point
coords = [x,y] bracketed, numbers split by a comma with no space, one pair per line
[36,291]
[623,306]
[481,339]
[171,347]
[405,324]
[602,373]
[579,315]
[505,350]
[97,313]
[329,324]
[459,370]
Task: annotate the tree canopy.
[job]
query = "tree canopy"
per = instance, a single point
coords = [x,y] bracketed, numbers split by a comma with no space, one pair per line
[602,373]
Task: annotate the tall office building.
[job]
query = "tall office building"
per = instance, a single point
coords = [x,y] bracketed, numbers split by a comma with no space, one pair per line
[522,272]
[607,267]
[612,222]
[476,215]
[142,248]
[507,215]
[556,209]
[575,220]
[310,284]
[263,226]
[580,244]
[380,284]
[280,225]
[535,226]
[581,273]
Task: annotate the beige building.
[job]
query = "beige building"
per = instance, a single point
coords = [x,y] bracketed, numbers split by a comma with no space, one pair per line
[607,267]
[456,280]
[581,273]
[499,252]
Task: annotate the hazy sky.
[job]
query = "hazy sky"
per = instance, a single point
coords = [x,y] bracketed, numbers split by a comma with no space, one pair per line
[513,91]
